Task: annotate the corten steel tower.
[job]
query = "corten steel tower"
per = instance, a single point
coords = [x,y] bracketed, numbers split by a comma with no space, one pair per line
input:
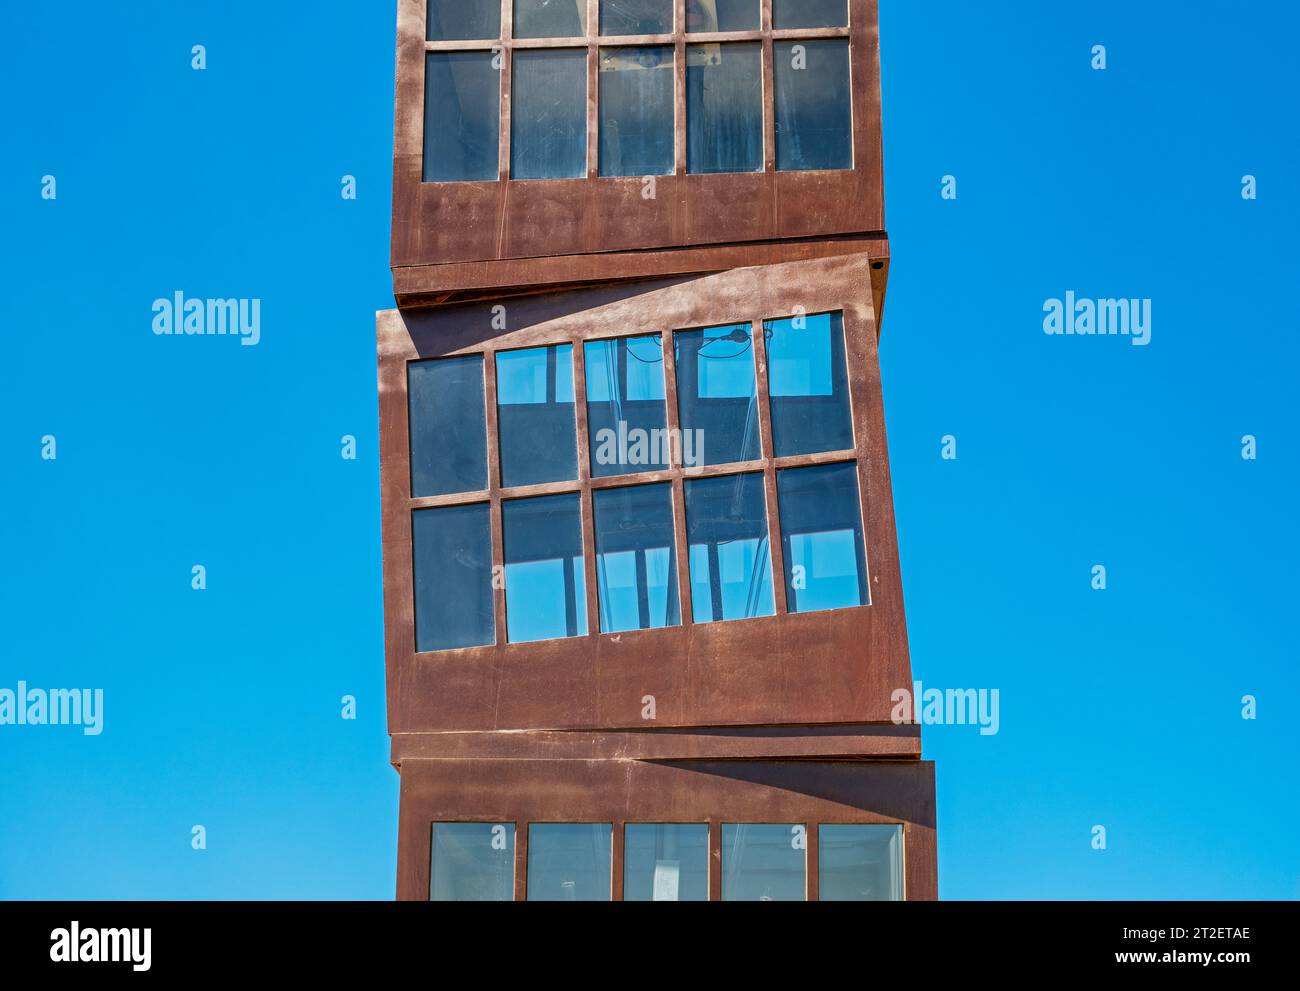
[641,581]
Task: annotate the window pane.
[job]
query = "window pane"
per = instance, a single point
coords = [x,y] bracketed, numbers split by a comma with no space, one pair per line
[724,108]
[625,405]
[452,549]
[463,20]
[462,117]
[763,863]
[636,16]
[535,415]
[717,403]
[731,567]
[636,111]
[636,564]
[549,120]
[550,18]
[810,14]
[472,862]
[569,862]
[809,385]
[814,122]
[860,863]
[721,15]
[448,426]
[821,537]
[665,862]
[546,591]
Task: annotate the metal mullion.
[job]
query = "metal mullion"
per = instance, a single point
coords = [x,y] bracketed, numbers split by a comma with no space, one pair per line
[812,856]
[494,494]
[798,34]
[775,550]
[587,499]
[593,88]
[673,421]
[769,89]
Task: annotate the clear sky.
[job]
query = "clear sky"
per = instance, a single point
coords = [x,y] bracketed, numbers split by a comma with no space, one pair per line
[1119,707]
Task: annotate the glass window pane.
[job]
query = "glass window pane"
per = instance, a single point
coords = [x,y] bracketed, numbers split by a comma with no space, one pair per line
[448,426]
[814,122]
[717,402]
[809,384]
[626,421]
[859,863]
[764,863]
[535,415]
[724,108]
[550,18]
[665,862]
[636,111]
[721,15]
[636,16]
[462,117]
[636,563]
[569,862]
[452,551]
[548,125]
[731,566]
[463,20]
[821,537]
[472,862]
[546,589]
[810,14]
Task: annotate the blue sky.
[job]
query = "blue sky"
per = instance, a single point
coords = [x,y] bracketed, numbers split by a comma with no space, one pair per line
[1118,707]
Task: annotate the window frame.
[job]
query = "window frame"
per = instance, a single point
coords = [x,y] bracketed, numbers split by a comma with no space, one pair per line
[679,40]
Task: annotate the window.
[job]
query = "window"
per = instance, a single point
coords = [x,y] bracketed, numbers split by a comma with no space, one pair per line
[636,111]
[636,16]
[665,862]
[721,15]
[472,862]
[724,107]
[809,14]
[813,117]
[625,405]
[716,399]
[821,537]
[546,595]
[452,551]
[730,560]
[535,415]
[636,565]
[809,386]
[448,426]
[549,119]
[764,863]
[860,863]
[550,18]
[462,20]
[570,862]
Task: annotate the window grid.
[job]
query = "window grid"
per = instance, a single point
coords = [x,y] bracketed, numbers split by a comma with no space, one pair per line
[593,41]
[676,474]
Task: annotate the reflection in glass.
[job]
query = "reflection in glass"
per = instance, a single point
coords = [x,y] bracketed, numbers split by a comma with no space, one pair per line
[860,863]
[636,565]
[636,111]
[462,117]
[724,108]
[452,558]
[463,20]
[546,590]
[716,395]
[764,863]
[448,425]
[810,14]
[548,124]
[550,18]
[721,15]
[472,862]
[730,561]
[625,405]
[809,384]
[821,537]
[665,862]
[814,122]
[636,17]
[569,862]
[535,415]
